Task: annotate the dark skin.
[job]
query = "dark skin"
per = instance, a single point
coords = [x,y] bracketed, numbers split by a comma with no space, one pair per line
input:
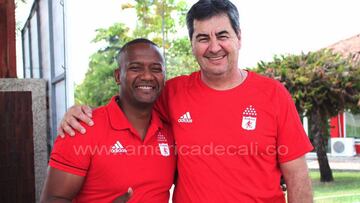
[141,81]
[141,78]
[70,186]
[140,118]
[62,187]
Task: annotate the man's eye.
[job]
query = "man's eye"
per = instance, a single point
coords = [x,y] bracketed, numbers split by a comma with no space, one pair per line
[223,37]
[134,68]
[157,69]
[203,39]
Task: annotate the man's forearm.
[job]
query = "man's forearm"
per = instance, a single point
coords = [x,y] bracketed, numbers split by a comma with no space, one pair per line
[298,182]
[300,191]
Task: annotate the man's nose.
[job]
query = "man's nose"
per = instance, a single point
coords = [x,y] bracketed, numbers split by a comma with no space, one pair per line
[147,74]
[214,46]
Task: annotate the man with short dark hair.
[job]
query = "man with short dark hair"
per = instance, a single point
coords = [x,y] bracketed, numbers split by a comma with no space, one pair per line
[129,146]
[236,132]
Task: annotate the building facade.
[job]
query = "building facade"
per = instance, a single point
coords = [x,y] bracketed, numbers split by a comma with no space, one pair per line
[44,53]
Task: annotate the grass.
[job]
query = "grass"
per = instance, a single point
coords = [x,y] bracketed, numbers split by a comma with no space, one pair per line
[345,188]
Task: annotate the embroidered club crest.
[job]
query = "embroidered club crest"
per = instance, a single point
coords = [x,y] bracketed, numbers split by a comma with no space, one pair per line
[249,118]
[161,137]
[164,149]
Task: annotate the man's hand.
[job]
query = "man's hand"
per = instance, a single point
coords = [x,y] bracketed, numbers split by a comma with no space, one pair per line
[70,122]
[125,197]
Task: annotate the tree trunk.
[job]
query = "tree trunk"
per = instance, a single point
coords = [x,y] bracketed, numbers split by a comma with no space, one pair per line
[319,132]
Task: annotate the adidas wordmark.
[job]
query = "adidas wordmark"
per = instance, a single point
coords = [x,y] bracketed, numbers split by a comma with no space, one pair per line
[186,118]
[118,148]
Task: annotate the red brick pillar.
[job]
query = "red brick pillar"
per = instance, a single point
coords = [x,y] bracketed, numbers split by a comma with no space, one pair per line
[7,39]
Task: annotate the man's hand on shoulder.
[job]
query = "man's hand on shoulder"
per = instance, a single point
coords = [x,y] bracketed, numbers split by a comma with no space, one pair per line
[70,121]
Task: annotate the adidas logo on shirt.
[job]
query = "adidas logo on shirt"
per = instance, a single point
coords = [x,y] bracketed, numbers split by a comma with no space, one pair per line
[118,148]
[186,118]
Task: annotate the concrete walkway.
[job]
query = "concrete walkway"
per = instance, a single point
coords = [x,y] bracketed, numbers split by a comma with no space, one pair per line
[336,162]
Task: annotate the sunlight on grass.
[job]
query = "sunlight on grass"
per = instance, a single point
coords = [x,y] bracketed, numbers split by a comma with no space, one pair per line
[345,188]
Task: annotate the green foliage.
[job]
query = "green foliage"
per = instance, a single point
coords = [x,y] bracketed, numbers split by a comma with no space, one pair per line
[320,80]
[99,84]
[322,84]
[98,87]
[180,60]
[158,21]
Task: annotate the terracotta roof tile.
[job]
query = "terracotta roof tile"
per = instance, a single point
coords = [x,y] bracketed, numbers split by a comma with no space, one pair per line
[348,46]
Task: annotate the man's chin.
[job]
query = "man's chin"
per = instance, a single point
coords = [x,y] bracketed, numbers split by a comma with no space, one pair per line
[145,101]
[216,71]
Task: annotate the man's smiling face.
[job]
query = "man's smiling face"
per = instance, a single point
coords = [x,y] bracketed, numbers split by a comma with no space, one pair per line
[215,45]
[142,74]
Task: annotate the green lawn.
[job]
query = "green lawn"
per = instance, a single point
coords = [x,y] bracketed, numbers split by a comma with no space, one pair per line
[345,188]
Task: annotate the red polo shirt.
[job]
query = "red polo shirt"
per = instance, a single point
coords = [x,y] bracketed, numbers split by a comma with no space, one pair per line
[113,158]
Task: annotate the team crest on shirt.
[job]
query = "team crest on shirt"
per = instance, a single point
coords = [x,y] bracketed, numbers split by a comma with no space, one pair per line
[161,137]
[249,118]
[163,146]
[164,149]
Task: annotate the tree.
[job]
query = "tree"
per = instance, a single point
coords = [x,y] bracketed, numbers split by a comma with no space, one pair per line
[99,84]
[158,21]
[180,60]
[322,84]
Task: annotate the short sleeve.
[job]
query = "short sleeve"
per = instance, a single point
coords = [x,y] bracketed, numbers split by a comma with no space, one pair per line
[292,141]
[72,154]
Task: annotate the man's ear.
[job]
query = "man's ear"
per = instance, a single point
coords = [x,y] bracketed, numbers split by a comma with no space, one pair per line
[117,76]
[239,34]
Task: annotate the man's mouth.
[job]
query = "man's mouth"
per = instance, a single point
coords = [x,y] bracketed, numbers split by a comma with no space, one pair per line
[215,58]
[145,87]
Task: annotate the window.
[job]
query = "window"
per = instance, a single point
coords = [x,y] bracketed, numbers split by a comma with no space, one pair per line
[31,45]
[26,53]
[58,70]
[59,38]
[352,125]
[35,51]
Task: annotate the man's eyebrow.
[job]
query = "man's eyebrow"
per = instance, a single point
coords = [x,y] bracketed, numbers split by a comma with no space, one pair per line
[222,32]
[217,34]
[141,63]
[156,63]
[201,35]
[134,63]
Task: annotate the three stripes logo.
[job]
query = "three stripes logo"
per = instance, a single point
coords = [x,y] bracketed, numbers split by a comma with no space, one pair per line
[186,118]
[118,148]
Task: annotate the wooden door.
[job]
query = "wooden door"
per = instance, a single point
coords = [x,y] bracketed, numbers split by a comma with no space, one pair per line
[16,148]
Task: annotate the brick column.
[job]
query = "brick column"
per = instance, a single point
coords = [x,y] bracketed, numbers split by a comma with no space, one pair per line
[7,39]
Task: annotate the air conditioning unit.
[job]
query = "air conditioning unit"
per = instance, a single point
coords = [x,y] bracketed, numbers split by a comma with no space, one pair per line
[343,147]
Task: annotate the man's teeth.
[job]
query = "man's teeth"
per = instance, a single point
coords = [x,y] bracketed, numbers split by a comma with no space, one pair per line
[145,87]
[216,58]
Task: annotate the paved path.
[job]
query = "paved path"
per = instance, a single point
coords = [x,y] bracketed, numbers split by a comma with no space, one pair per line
[336,163]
